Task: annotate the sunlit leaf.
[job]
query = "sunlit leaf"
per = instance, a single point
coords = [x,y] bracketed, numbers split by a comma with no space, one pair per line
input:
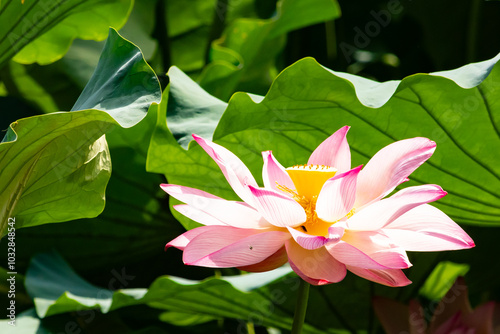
[42,31]
[451,108]
[55,167]
[442,278]
[25,323]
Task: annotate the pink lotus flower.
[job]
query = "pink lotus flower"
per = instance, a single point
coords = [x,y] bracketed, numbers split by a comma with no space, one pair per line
[452,315]
[323,217]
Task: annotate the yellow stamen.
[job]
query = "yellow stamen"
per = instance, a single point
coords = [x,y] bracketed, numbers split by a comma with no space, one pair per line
[349,215]
[286,189]
[313,224]
[309,179]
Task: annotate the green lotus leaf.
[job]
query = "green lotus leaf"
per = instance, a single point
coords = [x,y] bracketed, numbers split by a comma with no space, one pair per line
[55,167]
[26,322]
[235,297]
[451,108]
[442,278]
[42,31]
[245,54]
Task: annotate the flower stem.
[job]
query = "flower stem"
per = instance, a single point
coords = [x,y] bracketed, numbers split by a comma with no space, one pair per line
[300,307]
[250,328]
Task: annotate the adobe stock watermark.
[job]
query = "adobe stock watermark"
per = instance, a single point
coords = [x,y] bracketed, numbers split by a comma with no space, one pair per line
[373,28]
[11,270]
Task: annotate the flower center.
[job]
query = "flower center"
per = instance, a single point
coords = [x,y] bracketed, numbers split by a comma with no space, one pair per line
[309,179]
[313,224]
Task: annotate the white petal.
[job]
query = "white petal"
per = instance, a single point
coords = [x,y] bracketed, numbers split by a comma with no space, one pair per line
[274,173]
[278,209]
[231,213]
[337,196]
[390,167]
[426,228]
[379,214]
[235,171]
[333,152]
